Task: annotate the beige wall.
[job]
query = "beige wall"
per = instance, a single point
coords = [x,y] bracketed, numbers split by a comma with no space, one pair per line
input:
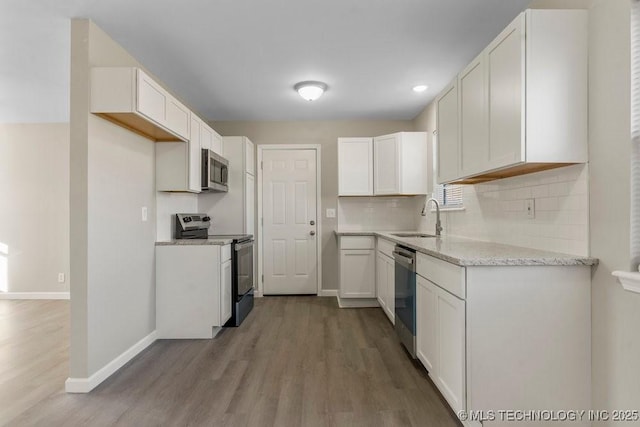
[326,134]
[34,218]
[616,313]
[112,250]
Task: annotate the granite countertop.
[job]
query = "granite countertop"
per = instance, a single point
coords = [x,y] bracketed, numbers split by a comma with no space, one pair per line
[467,252]
[191,242]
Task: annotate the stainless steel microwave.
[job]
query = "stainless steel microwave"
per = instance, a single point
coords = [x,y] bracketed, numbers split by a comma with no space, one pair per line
[215,172]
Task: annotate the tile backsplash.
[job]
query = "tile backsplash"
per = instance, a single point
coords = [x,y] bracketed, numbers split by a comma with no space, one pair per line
[167,205]
[377,213]
[496,211]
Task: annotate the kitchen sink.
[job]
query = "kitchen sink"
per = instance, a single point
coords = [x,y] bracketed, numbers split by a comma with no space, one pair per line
[412,235]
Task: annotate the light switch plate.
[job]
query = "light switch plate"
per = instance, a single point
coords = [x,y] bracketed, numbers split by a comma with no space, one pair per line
[144,214]
[331,213]
[530,208]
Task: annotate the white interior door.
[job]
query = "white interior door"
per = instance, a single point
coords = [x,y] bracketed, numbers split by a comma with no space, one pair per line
[289,211]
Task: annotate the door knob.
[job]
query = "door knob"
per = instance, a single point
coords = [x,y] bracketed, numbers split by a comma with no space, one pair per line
[313,233]
[312,222]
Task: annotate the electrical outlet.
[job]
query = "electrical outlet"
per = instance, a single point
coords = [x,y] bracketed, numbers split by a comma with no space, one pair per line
[60,277]
[144,214]
[530,208]
[331,213]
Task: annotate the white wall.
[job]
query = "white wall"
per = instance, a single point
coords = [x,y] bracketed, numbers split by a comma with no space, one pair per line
[169,204]
[615,312]
[112,178]
[34,217]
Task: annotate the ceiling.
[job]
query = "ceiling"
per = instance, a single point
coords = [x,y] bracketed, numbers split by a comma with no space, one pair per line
[239,59]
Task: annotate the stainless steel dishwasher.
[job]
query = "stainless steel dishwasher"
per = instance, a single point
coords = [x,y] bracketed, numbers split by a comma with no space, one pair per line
[405,297]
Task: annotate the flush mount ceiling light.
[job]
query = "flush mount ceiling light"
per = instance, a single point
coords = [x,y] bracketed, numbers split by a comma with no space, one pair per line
[310,90]
[420,88]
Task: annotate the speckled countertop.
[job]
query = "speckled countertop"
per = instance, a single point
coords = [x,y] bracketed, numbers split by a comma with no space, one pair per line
[191,242]
[468,252]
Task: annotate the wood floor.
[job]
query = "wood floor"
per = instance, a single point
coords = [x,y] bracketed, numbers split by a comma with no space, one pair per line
[295,361]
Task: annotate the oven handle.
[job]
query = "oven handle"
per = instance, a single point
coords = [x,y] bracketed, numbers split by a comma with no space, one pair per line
[242,246]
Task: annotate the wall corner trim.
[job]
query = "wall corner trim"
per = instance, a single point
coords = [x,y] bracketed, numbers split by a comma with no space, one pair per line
[85,385]
[35,295]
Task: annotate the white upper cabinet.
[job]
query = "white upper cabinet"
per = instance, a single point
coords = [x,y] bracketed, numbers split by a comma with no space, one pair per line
[522,102]
[129,97]
[505,59]
[474,127]
[249,157]
[179,165]
[216,142]
[355,166]
[206,136]
[394,164]
[447,143]
[400,164]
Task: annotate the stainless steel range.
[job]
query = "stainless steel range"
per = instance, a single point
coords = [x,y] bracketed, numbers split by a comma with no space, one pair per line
[196,226]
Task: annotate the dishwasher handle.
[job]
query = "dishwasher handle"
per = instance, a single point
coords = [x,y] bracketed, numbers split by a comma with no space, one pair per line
[405,257]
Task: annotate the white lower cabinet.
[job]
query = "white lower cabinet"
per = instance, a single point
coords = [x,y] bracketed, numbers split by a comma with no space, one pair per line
[385,284]
[495,337]
[193,290]
[226,300]
[441,340]
[357,278]
[357,264]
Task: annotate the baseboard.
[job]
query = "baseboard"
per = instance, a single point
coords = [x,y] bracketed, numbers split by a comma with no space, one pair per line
[357,302]
[85,385]
[34,295]
[328,293]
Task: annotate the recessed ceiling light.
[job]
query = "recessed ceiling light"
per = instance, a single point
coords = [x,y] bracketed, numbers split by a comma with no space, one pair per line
[310,90]
[420,88]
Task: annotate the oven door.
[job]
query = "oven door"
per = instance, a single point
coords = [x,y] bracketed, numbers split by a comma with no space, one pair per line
[244,271]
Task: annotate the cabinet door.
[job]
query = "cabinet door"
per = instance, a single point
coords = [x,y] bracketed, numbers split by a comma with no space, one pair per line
[506,70]
[386,172]
[249,157]
[249,204]
[391,289]
[226,297]
[178,117]
[355,166]
[216,143]
[206,136]
[450,371]
[447,144]
[357,273]
[152,98]
[474,125]
[195,157]
[381,280]
[426,324]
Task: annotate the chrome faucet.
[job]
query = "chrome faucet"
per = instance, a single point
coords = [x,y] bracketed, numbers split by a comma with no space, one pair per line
[424,213]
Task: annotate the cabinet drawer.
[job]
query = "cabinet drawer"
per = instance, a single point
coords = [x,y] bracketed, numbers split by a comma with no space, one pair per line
[225,253]
[386,247]
[357,242]
[444,274]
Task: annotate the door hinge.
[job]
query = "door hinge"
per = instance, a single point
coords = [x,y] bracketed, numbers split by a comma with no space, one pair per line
[261,221]
[261,164]
[263,278]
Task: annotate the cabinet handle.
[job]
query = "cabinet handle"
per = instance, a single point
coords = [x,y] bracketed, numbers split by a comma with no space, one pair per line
[313,233]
